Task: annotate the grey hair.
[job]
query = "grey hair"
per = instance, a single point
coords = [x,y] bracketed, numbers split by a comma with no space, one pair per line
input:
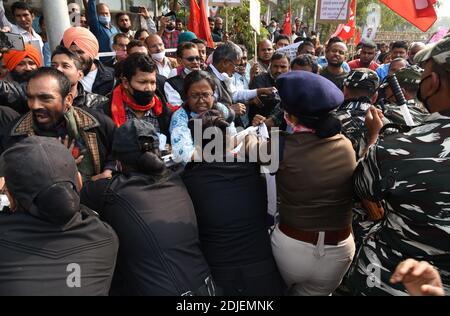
[414,44]
[227,51]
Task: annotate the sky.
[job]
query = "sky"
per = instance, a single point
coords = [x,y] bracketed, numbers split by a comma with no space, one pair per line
[444,9]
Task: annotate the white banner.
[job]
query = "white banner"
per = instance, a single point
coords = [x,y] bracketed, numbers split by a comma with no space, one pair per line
[373,21]
[255,18]
[290,50]
[225,3]
[333,10]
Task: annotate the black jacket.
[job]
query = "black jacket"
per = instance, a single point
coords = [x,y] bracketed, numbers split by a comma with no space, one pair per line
[86,100]
[155,221]
[160,82]
[7,115]
[223,90]
[96,129]
[104,81]
[177,83]
[263,80]
[13,95]
[40,258]
[230,201]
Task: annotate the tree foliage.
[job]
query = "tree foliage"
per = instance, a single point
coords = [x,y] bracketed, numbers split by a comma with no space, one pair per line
[243,33]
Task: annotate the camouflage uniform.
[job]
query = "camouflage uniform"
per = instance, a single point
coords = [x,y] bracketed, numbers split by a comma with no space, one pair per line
[406,76]
[409,172]
[352,112]
[352,115]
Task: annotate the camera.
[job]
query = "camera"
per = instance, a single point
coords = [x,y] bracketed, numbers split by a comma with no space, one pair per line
[11,41]
[135,9]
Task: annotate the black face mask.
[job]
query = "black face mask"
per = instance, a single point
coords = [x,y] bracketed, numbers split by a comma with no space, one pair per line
[143,97]
[419,93]
[124,30]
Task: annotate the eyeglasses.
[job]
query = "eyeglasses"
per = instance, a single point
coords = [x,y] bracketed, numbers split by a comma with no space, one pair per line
[192,58]
[204,96]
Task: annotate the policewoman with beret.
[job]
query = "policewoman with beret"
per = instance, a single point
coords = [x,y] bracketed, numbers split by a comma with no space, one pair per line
[151,211]
[313,244]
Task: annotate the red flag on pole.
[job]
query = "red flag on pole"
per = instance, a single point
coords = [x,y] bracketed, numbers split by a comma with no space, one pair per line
[346,32]
[357,37]
[194,18]
[420,13]
[287,26]
[198,22]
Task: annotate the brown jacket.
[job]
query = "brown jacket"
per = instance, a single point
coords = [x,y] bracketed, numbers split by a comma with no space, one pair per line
[96,129]
[314,182]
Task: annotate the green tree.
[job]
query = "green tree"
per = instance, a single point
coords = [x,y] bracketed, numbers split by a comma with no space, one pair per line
[240,29]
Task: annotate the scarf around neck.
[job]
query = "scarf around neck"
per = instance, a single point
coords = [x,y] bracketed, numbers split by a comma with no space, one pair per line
[120,98]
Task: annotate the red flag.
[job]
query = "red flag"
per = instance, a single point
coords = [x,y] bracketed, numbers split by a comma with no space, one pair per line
[346,32]
[357,37]
[194,18]
[420,13]
[287,26]
[198,22]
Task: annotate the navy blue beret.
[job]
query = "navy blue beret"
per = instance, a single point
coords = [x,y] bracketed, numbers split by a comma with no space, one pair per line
[305,93]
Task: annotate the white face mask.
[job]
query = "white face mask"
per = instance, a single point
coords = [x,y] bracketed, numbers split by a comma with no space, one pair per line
[159,56]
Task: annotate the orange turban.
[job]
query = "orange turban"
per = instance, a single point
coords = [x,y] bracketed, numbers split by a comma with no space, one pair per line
[83,38]
[12,58]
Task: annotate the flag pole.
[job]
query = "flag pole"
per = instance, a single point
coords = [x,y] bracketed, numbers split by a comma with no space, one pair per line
[315,16]
[226,18]
[290,20]
[256,46]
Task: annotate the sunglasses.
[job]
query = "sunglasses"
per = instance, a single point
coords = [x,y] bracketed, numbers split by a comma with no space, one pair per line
[192,58]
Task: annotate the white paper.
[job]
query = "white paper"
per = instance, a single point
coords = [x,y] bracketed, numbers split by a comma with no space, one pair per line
[290,50]
[162,141]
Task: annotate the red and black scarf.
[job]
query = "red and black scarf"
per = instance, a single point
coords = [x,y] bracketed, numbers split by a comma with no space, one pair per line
[120,98]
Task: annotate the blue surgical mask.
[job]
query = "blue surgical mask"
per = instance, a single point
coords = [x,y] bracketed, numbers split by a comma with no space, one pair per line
[105,20]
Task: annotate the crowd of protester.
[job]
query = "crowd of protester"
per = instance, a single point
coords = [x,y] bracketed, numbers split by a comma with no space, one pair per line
[102,170]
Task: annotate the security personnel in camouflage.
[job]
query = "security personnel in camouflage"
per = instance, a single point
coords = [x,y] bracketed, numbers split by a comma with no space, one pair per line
[409,80]
[360,92]
[409,172]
